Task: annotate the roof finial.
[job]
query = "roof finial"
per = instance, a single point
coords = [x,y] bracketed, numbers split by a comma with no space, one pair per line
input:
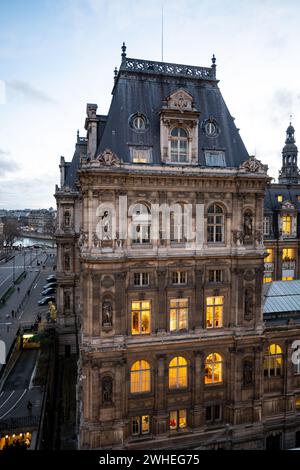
[115,73]
[291,116]
[123,55]
[213,59]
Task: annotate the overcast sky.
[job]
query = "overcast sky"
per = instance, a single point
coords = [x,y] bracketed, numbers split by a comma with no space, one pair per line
[57,55]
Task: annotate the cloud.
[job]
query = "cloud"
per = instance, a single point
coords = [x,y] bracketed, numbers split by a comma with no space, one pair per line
[284,103]
[7,164]
[18,89]
[34,193]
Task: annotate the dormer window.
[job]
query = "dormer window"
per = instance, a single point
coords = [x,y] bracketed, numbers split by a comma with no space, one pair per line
[215,158]
[141,154]
[279,197]
[179,145]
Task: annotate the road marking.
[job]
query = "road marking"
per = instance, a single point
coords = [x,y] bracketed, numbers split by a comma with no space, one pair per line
[7,398]
[35,286]
[14,406]
[1,394]
[21,315]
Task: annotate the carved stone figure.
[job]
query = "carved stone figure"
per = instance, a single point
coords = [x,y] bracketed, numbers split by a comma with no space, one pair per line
[248,373]
[95,240]
[67,300]
[107,312]
[82,238]
[253,166]
[108,158]
[107,390]
[248,312]
[248,224]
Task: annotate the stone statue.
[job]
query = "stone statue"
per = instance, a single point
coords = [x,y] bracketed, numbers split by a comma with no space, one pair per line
[67,300]
[247,373]
[248,315]
[82,238]
[107,311]
[248,224]
[107,388]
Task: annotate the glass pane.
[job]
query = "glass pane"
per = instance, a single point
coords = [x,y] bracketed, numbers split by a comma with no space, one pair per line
[146,322]
[145,424]
[173,324]
[135,329]
[182,419]
[135,426]
[173,419]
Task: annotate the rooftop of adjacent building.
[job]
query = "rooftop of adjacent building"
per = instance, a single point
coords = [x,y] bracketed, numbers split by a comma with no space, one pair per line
[282,301]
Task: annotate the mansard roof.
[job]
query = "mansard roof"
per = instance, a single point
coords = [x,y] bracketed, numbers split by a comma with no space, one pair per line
[143,86]
[72,167]
[289,193]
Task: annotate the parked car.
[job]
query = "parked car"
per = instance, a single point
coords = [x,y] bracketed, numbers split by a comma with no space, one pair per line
[51,278]
[49,284]
[45,300]
[49,291]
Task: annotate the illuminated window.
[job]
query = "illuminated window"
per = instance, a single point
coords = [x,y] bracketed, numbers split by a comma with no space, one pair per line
[140,155]
[286,224]
[178,419]
[215,275]
[279,197]
[287,278]
[178,373]
[213,369]
[213,413]
[179,277]
[268,278]
[273,361]
[214,312]
[140,378]
[288,254]
[141,279]
[140,425]
[215,224]
[179,145]
[140,317]
[297,402]
[179,309]
[267,225]
[269,257]
[298,197]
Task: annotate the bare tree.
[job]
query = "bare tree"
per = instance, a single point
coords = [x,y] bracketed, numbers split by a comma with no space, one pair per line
[11,232]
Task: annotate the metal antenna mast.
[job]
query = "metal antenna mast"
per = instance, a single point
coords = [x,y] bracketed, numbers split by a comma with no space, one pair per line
[162,30]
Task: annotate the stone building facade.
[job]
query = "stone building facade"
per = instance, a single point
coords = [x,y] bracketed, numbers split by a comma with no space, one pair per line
[173,349]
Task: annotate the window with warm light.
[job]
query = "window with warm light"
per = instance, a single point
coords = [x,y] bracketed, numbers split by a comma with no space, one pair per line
[270,256]
[140,317]
[178,419]
[140,377]
[214,311]
[279,197]
[268,279]
[297,402]
[267,225]
[140,425]
[179,145]
[178,373]
[213,369]
[273,361]
[215,224]
[286,224]
[287,278]
[179,309]
[288,254]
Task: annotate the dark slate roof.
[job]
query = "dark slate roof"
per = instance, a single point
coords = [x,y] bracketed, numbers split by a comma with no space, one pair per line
[72,167]
[141,86]
[289,193]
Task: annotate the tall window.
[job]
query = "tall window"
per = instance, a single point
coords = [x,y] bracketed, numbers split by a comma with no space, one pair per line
[267,225]
[215,275]
[179,309]
[213,369]
[67,219]
[141,223]
[288,254]
[214,311]
[140,377]
[213,413]
[179,145]
[140,317]
[178,373]
[286,224]
[273,361]
[140,425]
[215,224]
[269,257]
[177,419]
[279,197]
[141,279]
[179,277]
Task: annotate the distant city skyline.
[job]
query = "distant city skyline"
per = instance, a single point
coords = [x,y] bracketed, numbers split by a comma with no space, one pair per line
[50,71]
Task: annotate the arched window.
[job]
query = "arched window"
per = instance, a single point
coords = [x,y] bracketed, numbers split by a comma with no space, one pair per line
[140,377]
[215,224]
[213,369]
[67,219]
[178,373]
[179,145]
[273,361]
[141,223]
